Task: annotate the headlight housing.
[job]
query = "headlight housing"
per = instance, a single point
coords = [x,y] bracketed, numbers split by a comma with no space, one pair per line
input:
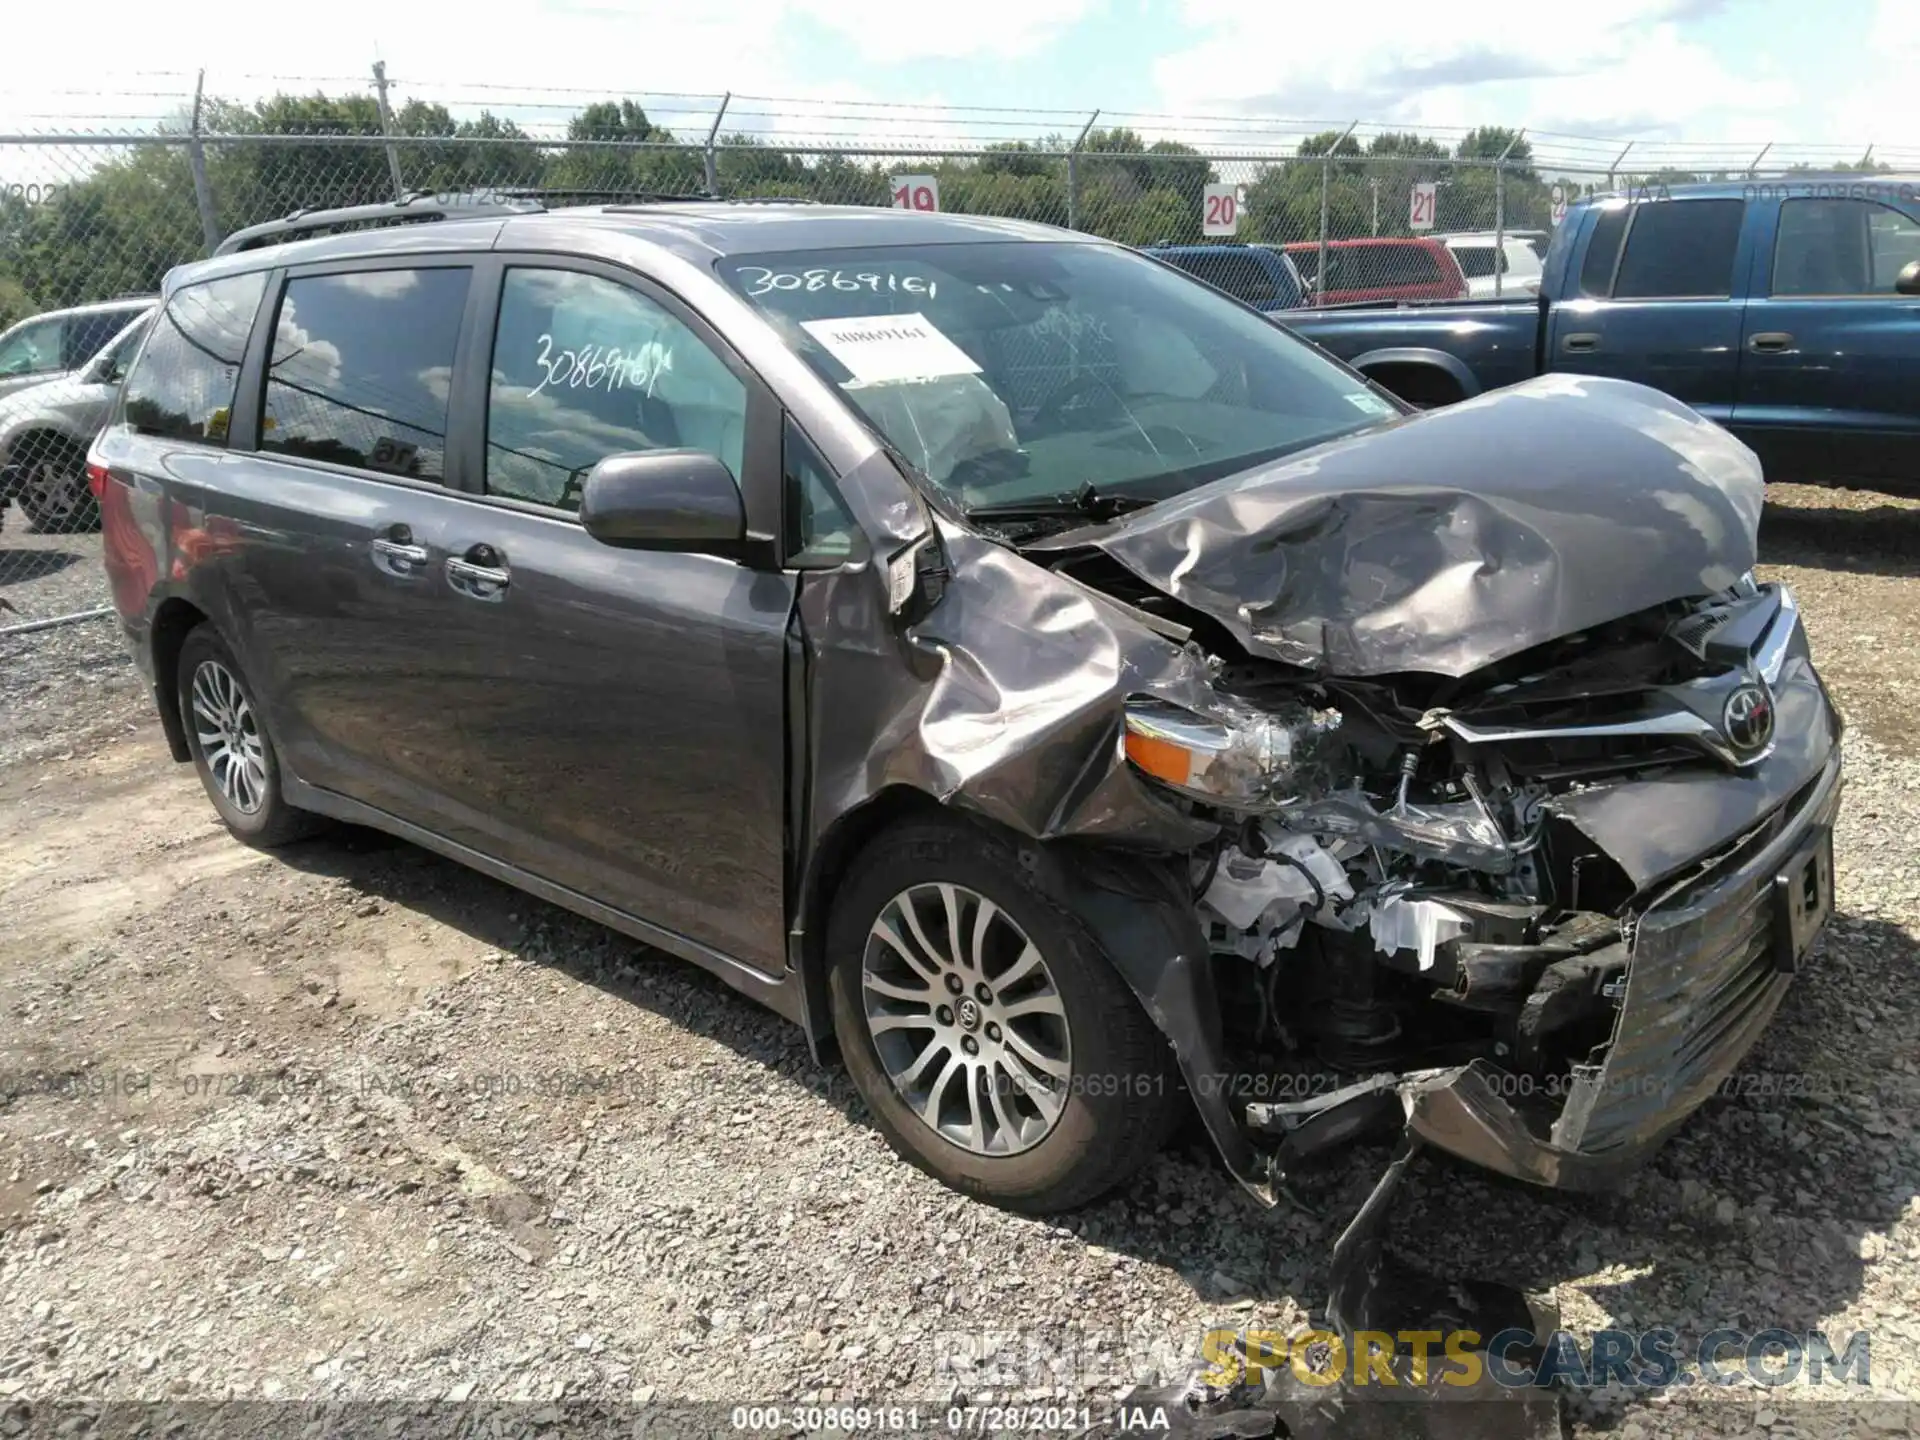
[1242,759]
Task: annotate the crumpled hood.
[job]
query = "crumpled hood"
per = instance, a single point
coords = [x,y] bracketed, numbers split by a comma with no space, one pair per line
[1453,539]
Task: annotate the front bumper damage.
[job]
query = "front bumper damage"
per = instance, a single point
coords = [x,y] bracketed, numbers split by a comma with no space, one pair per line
[1708,964]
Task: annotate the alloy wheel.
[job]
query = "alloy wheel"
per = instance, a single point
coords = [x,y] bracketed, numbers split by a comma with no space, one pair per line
[54,495]
[229,736]
[966,1019]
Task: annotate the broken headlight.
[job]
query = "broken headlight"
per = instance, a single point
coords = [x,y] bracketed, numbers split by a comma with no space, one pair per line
[1240,759]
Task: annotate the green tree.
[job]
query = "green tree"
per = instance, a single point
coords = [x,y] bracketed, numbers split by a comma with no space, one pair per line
[117,232]
[614,148]
[254,180]
[472,166]
[1017,157]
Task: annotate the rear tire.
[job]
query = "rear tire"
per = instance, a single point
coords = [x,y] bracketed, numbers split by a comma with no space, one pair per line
[1067,1089]
[227,736]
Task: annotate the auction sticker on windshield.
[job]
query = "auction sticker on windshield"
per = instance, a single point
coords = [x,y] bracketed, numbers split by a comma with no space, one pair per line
[879,348]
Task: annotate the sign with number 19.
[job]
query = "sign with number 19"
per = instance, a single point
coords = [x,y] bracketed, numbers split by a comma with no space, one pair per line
[915,192]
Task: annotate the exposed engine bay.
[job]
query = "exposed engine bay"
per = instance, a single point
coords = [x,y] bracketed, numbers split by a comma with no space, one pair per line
[1398,885]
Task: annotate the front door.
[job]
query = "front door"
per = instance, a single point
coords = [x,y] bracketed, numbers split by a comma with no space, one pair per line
[620,715]
[1830,368]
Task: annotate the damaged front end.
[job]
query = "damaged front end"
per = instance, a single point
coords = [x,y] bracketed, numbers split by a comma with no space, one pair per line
[1498,811]
[1536,919]
[1523,791]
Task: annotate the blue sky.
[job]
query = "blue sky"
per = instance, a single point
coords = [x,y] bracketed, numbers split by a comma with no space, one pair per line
[1733,72]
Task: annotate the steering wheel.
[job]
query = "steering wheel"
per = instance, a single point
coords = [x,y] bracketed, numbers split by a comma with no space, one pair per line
[1066,393]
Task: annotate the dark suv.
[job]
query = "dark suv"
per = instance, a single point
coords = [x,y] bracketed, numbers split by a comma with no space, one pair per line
[1002,653]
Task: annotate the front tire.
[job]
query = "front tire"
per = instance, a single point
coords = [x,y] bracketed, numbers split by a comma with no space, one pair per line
[53,493]
[996,1046]
[231,748]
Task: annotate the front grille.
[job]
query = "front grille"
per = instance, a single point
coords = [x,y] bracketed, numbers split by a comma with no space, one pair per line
[1702,984]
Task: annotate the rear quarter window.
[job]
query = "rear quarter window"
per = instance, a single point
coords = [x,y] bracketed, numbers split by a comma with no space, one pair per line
[1368,265]
[1476,261]
[183,382]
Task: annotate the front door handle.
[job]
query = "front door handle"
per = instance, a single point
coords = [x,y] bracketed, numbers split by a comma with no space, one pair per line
[1582,344]
[1770,342]
[481,574]
[394,552]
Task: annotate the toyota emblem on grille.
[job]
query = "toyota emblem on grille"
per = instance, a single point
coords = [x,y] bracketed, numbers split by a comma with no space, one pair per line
[1748,719]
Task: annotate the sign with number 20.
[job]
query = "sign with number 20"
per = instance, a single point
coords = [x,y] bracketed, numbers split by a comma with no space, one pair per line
[1220,210]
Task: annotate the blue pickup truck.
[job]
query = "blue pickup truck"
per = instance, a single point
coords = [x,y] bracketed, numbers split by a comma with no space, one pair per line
[1262,276]
[1787,310]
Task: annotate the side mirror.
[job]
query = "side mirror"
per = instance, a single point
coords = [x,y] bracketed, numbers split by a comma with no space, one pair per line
[1907,282]
[679,500]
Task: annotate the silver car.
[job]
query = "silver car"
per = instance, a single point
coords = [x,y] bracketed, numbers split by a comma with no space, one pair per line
[51,345]
[45,430]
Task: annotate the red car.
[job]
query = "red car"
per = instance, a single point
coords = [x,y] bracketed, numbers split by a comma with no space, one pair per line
[1410,269]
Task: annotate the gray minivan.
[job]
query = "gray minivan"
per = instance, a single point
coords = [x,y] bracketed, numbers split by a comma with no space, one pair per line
[1007,657]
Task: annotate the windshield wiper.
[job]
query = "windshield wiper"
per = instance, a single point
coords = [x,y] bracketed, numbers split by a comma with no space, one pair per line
[1094,504]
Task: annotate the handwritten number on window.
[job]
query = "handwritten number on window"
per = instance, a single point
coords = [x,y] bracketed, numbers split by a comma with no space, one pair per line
[760,282]
[592,367]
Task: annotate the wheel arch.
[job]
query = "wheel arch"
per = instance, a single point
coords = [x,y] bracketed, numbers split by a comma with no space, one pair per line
[34,438]
[1418,361]
[172,622]
[827,867]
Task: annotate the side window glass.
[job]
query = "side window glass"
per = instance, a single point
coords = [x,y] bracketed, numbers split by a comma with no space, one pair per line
[33,349]
[1893,240]
[583,368]
[361,368]
[1841,247]
[820,532]
[1603,250]
[1476,263]
[1680,249]
[182,384]
[88,334]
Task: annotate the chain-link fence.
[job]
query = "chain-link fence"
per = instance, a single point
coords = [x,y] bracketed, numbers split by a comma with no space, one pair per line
[90,223]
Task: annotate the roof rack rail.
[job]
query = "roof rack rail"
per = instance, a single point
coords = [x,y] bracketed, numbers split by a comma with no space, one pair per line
[634,202]
[478,203]
[413,209]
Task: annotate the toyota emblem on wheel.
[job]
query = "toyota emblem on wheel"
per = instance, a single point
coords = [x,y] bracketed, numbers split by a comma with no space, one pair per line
[1748,719]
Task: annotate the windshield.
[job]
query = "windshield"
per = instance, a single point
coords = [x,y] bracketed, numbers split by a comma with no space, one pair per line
[1014,371]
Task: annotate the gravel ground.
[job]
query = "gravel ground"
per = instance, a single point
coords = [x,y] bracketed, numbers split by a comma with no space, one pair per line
[356,1123]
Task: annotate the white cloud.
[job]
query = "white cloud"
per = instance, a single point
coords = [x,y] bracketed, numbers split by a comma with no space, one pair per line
[887,30]
[1880,104]
[1633,69]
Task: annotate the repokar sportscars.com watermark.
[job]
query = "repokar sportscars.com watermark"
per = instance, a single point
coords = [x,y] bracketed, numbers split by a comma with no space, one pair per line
[1409,1361]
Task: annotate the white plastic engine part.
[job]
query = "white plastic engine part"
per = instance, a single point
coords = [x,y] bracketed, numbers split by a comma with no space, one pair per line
[1418,925]
[1268,893]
